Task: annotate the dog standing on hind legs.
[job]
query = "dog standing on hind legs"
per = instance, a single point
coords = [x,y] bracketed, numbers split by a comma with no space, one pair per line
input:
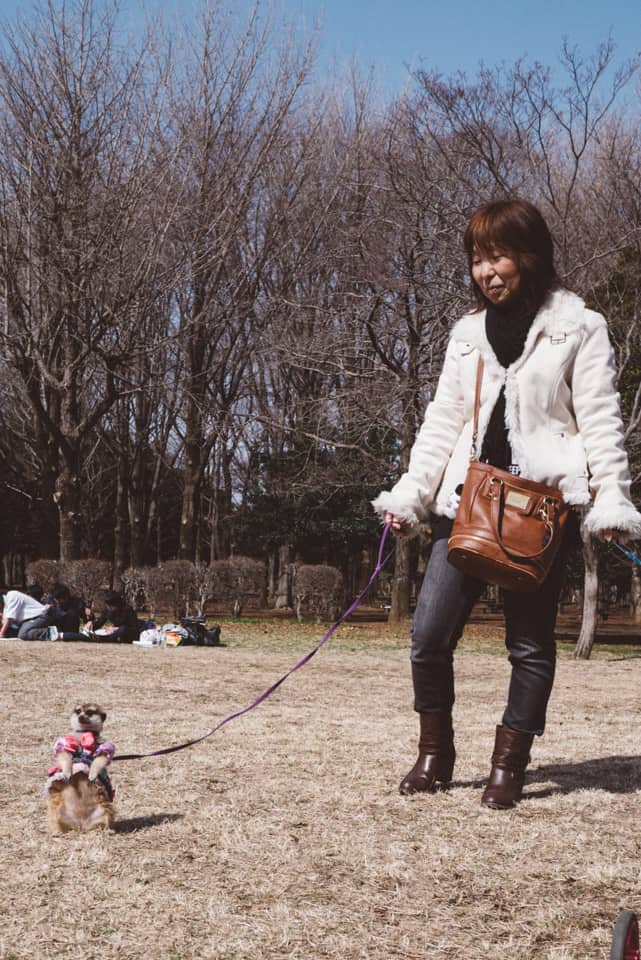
[79,791]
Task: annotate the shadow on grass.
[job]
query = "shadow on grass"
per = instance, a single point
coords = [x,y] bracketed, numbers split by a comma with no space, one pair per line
[144,823]
[613,774]
[617,774]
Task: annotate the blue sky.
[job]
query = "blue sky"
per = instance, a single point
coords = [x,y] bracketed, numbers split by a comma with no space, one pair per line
[456,35]
[441,35]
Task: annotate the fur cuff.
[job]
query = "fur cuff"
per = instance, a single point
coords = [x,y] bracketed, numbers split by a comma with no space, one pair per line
[386,502]
[623,517]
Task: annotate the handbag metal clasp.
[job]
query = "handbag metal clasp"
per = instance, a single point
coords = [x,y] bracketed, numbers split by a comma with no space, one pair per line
[490,492]
[547,509]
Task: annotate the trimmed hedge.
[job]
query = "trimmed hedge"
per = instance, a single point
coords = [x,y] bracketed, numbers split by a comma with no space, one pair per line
[318,592]
[88,577]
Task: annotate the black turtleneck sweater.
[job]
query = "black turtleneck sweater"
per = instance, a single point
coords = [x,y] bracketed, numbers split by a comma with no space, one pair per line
[506,328]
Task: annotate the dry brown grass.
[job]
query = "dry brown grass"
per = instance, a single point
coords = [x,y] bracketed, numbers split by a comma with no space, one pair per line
[283,836]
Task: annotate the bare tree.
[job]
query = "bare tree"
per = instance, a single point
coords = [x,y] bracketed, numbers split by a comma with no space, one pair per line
[228,113]
[614,197]
[76,251]
[312,372]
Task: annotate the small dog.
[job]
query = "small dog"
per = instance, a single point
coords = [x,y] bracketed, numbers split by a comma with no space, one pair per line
[79,791]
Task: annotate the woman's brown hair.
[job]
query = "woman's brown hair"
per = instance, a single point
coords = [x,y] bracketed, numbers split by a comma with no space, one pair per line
[516,227]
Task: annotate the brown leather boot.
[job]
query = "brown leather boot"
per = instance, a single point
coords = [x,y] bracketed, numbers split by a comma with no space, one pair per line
[436,754]
[509,760]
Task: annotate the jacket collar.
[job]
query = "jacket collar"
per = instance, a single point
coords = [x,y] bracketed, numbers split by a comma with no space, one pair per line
[562,313]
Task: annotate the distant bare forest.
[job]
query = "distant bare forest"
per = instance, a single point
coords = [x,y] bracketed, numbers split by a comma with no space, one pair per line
[226,285]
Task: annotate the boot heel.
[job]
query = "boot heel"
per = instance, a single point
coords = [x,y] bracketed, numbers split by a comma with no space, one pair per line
[445,771]
[509,760]
[436,755]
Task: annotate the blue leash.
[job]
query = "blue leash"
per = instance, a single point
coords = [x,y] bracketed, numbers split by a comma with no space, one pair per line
[628,553]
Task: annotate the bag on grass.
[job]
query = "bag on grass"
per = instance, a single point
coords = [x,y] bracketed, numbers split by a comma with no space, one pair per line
[150,637]
[172,635]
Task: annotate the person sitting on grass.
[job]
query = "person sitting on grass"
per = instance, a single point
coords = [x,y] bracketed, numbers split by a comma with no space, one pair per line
[24,616]
[68,611]
[116,611]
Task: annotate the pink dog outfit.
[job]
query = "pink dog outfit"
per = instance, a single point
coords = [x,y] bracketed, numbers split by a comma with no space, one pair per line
[84,749]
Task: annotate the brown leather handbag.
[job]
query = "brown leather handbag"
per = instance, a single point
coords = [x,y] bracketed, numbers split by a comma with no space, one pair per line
[507,529]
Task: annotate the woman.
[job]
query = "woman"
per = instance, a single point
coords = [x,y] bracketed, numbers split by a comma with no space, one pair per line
[550,412]
[126,625]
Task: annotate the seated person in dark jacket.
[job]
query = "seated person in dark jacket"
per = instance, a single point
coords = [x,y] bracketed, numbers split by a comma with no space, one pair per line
[126,625]
[68,610]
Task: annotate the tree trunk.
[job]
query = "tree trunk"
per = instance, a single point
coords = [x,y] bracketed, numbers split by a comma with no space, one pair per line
[13,567]
[158,540]
[280,586]
[49,537]
[635,594]
[356,570]
[120,533]
[400,609]
[412,411]
[401,581]
[149,546]
[136,511]
[196,353]
[137,532]
[216,539]
[190,514]
[67,498]
[272,576]
[590,596]
[364,566]
[221,504]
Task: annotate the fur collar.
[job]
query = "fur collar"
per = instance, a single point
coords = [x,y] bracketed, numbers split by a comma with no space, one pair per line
[562,313]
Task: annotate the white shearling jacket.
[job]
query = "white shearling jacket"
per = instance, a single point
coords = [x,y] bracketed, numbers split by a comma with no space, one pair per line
[562,414]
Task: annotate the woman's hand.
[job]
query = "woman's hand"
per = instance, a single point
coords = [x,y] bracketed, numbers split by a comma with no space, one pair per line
[398,525]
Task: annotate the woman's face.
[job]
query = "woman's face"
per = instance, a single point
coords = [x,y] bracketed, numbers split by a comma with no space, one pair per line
[497,274]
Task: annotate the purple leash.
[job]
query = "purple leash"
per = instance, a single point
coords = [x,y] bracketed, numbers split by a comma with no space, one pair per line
[380,563]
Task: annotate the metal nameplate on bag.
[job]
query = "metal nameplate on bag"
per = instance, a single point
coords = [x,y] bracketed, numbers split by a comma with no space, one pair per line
[515,499]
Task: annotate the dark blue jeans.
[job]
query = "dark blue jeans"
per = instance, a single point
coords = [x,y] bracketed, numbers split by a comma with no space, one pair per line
[37,628]
[445,602]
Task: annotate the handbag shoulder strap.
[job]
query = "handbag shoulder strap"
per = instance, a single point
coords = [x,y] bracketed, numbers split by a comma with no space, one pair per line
[477,404]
